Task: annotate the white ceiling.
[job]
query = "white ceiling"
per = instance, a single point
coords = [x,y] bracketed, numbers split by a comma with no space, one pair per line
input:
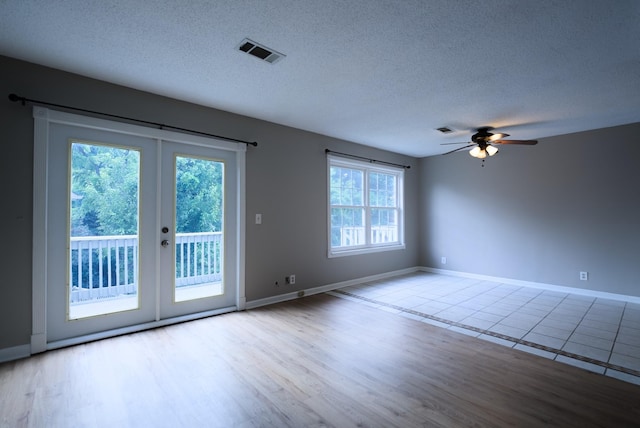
[375,72]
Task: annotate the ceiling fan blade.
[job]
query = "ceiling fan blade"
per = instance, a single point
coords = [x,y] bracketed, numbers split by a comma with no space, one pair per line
[461,148]
[523,142]
[495,137]
[462,142]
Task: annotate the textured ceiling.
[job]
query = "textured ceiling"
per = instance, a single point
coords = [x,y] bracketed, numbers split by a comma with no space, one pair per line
[375,72]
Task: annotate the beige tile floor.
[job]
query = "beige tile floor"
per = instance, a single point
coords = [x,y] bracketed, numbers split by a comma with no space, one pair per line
[596,334]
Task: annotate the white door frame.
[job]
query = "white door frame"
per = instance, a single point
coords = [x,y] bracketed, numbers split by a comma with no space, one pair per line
[42,118]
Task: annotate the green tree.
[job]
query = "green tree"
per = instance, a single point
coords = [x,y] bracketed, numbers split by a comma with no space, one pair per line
[105,190]
[198,195]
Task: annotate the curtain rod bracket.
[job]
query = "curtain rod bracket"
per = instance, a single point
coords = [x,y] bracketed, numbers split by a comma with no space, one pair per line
[24,101]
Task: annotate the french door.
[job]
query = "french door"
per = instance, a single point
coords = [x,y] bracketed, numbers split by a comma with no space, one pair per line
[140,227]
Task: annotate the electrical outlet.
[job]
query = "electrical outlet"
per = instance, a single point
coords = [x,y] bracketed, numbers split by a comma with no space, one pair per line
[443,260]
[258,218]
[584,276]
[291,279]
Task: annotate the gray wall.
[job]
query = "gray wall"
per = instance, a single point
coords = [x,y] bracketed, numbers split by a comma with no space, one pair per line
[541,213]
[286,182]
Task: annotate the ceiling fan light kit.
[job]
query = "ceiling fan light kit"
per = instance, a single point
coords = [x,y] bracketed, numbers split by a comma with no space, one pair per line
[492,150]
[482,152]
[477,152]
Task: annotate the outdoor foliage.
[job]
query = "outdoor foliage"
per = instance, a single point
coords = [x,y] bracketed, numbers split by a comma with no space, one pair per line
[105,192]
[199,195]
[105,201]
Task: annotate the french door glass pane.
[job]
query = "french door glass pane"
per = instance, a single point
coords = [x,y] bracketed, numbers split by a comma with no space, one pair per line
[104,195]
[199,228]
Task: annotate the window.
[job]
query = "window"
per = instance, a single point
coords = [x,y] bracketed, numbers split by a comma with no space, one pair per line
[365,207]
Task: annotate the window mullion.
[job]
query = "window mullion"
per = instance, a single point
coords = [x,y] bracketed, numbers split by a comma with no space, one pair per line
[367,208]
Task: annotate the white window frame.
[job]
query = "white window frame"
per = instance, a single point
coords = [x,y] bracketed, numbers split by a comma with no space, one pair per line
[367,168]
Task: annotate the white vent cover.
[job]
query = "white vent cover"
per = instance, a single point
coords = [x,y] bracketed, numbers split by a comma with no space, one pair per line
[260,51]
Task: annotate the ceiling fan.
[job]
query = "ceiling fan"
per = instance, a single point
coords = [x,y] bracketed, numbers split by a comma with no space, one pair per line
[483,143]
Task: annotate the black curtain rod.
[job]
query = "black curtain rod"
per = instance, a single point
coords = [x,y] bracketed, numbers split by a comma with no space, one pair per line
[368,159]
[23,100]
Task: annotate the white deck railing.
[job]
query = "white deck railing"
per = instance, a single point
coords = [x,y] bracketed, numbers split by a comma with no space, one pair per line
[107,266]
[198,258]
[351,236]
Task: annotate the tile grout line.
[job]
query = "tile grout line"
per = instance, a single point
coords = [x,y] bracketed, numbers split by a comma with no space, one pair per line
[517,341]
[617,331]
[502,299]
[574,331]
[544,318]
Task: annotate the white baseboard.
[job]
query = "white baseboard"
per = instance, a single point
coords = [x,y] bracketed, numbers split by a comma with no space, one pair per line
[22,351]
[551,287]
[252,304]
[14,353]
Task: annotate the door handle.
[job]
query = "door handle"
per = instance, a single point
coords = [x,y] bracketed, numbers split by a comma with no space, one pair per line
[165,243]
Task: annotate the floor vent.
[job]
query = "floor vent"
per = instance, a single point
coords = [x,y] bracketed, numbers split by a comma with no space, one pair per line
[260,51]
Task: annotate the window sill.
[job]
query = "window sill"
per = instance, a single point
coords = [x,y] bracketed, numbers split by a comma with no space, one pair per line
[368,250]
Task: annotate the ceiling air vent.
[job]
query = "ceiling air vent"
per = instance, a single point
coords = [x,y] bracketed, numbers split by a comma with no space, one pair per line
[445,129]
[260,51]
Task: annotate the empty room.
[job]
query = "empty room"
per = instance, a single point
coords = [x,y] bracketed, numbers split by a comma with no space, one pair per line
[339,213]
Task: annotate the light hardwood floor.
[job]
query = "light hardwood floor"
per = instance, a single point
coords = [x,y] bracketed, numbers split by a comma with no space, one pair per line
[316,361]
